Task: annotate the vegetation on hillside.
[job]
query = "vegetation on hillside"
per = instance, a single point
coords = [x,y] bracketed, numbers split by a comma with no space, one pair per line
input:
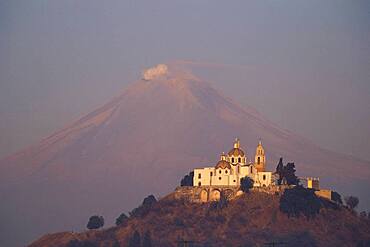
[122,219]
[286,173]
[95,222]
[297,217]
[298,201]
[246,184]
[351,201]
[187,180]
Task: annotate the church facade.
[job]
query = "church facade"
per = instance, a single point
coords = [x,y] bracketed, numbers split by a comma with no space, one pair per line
[233,167]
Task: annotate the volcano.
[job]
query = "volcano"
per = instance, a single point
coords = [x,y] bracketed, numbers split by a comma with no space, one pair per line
[142,142]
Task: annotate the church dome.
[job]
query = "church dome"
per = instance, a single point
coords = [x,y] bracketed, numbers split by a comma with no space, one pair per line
[223,164]
[236,152]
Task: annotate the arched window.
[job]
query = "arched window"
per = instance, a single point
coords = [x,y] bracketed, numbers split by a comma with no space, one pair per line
[258,160]
[211,174]
[220,171]
[232,160]
[199,175]
[199,184]
[240,160]
[226,171]
[219,178]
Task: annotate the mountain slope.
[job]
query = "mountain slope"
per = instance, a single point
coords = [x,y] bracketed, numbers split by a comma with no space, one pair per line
[252,219]
[143,142]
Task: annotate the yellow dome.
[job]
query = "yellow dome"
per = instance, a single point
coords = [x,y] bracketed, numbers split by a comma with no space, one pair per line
[236,152]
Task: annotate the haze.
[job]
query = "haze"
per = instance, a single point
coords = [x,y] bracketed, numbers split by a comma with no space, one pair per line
[303,64]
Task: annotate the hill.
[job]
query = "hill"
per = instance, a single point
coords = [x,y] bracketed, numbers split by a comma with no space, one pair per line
[252,219]
[142,141]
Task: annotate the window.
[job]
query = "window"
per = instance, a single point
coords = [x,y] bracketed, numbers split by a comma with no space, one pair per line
[258,160]
[234,181]
[199,175]
[219,178]
[240,160]
[264,177]
[226,171]
[220,171]
[199,184]
[232,160]
[211,174]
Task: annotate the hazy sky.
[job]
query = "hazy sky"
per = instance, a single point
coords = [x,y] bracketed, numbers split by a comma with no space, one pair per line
[303,64]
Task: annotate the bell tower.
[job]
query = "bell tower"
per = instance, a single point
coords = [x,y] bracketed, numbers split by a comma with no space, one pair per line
[260,158]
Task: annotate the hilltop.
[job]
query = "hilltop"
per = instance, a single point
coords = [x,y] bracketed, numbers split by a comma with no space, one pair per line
[251,219]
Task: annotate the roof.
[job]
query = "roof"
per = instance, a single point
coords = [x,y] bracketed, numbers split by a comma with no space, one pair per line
[236,152]
[223,164]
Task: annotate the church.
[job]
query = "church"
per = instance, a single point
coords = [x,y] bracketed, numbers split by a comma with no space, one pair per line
[233,167]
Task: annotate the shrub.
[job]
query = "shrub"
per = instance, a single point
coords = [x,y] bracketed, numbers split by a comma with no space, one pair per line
[144,208]
[220,204]
[335,196]
[351,201]
[135,240]
[147,240]
[187,180]
[246,183]
[121,220]
[363,215]
[95,222]
[299,200]
[179,222]
[77,243]
[149,200]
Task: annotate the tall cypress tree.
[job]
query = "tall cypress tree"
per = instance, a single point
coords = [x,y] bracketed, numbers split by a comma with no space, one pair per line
[289,174]
[280,171]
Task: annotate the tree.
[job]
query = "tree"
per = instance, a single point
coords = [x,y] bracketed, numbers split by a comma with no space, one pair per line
[121,220]
[335,196]
[363,214]
[147,240]
[299,200]
[351,201]
[280,171]
[286,173]
[135,240]
[95,222]
[246,183]
[289,174]
[149,201]
[187,180]
[145,207]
